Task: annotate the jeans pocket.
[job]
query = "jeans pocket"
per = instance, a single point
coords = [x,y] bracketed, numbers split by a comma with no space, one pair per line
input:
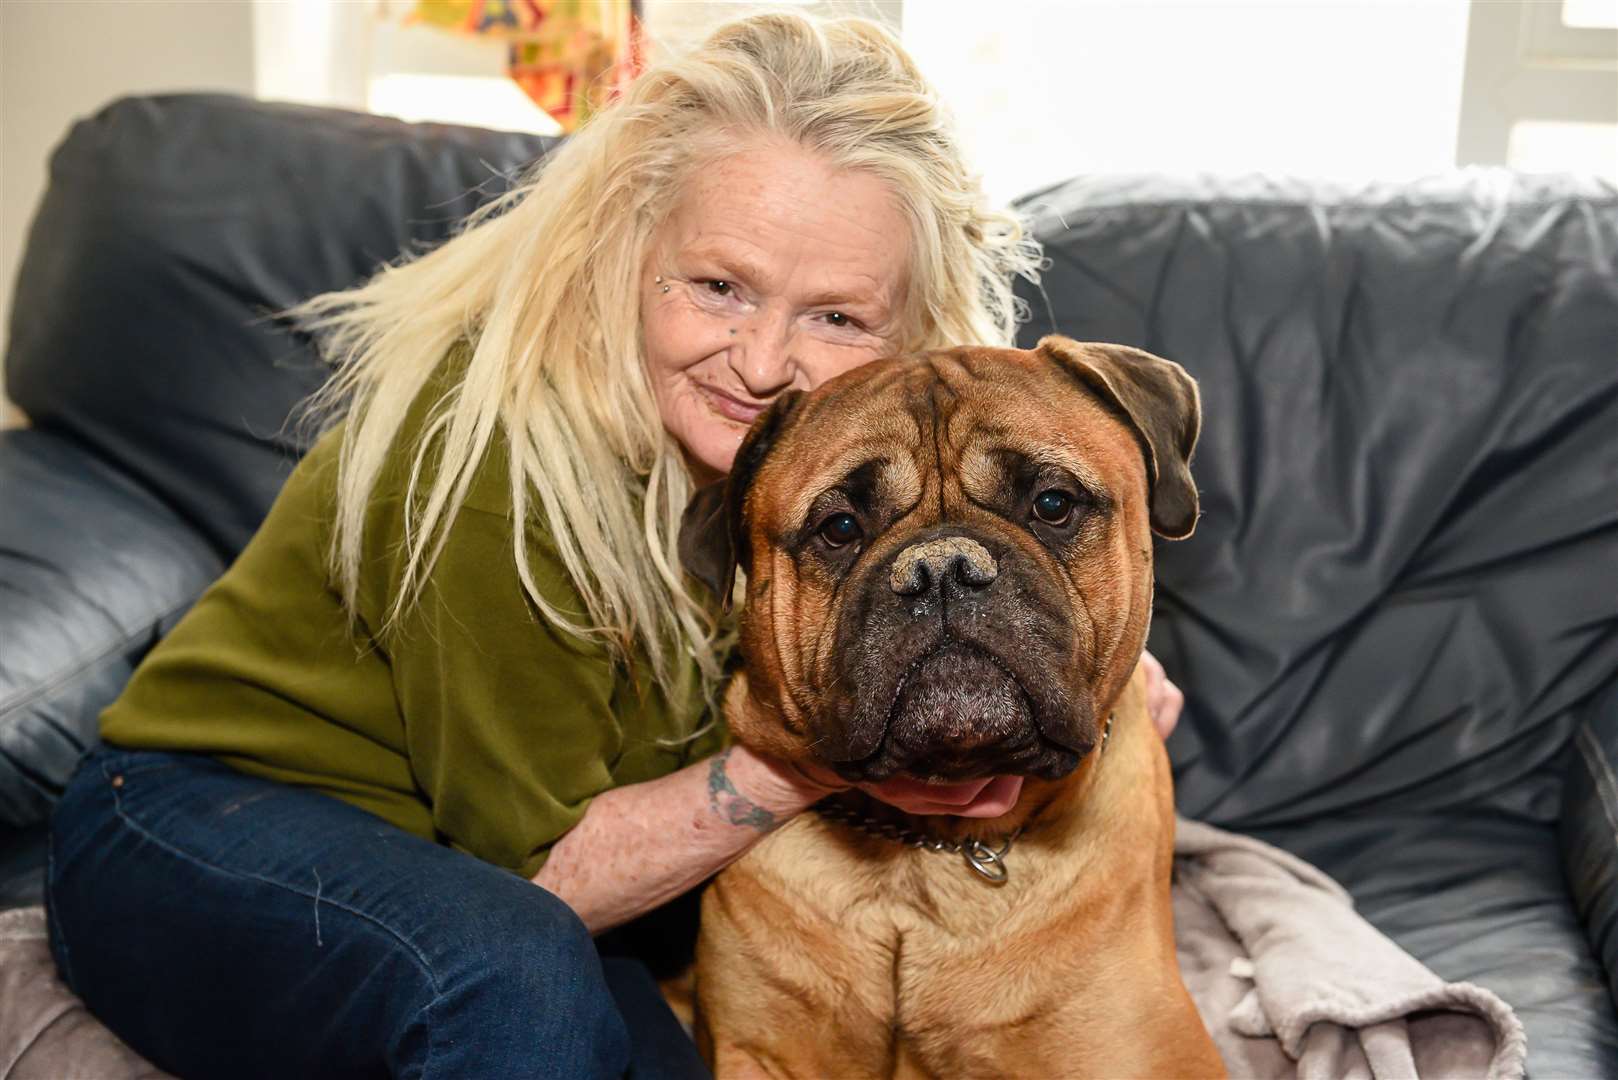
[126,763]
[149,788]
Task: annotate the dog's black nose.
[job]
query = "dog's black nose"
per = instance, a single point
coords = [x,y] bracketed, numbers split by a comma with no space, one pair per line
[925,565]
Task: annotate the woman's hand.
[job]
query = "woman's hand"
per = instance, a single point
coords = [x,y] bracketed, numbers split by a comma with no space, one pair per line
[1163,699]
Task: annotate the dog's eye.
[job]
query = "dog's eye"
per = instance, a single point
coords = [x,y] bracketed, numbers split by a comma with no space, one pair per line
[1053,507]
[840,529]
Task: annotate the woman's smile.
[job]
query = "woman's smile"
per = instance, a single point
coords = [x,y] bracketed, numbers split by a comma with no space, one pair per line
[730,406]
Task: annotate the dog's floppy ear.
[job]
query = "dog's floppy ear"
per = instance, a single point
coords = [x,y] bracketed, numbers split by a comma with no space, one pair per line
[1162,403]
[713,529]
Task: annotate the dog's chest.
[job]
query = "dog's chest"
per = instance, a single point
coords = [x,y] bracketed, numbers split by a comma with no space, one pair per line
[907,942]
[910,915]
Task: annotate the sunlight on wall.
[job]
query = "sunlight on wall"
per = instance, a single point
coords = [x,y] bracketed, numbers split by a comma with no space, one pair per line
[1591,14]
[1558,146]
[1350,90]
[491,101]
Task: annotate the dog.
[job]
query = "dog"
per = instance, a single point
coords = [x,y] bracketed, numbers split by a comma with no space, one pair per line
[948,582]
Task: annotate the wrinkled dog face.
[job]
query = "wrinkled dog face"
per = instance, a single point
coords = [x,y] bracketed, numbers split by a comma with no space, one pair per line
[948,556]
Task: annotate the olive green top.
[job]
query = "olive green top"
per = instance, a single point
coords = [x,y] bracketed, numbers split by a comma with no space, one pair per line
[476,723]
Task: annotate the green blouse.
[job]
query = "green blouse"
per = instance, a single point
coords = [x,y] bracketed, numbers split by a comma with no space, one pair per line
[476,724]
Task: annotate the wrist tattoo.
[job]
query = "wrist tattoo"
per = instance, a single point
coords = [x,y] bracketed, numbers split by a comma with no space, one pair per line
[732,805]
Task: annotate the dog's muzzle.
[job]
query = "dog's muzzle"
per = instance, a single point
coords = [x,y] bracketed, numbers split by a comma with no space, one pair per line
[943,675]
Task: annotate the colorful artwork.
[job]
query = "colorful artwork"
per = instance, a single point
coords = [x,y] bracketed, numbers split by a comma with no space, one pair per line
[570,57]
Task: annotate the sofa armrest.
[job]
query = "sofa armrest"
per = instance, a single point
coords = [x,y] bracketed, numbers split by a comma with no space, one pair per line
[22,866]
[93,570]
[1588,832]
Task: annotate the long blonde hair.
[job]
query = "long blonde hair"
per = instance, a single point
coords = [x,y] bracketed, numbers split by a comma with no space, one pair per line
[544,284]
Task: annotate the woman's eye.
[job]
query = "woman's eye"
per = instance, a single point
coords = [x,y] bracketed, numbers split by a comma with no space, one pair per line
[719,288]
[837,318]
[1053,507]
[840,529]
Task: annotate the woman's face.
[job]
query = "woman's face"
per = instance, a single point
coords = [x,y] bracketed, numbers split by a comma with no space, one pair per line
[779,271]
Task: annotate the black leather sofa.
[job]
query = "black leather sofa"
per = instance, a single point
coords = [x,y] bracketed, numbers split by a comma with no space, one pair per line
[1396,625]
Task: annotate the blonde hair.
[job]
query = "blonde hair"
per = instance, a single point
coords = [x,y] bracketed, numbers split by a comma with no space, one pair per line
[543,283]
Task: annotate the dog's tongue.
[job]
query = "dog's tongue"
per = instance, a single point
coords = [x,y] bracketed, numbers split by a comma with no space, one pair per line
[986,798]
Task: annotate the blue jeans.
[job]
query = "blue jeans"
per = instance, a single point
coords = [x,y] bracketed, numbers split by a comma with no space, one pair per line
[229,926]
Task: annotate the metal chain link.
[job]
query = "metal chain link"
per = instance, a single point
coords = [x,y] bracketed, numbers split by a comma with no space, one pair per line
[887,830]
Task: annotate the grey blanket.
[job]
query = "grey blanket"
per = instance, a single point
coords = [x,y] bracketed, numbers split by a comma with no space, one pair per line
[1292,982]
[45,1032]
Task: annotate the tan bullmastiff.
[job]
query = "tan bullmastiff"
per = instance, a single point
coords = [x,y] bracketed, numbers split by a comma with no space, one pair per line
[948,581]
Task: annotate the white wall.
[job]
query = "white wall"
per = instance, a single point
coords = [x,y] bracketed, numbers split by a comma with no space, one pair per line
[1347,89]
[676,25]
[60,61]
[315,52]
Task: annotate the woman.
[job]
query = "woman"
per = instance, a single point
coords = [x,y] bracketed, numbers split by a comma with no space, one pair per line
[310,844]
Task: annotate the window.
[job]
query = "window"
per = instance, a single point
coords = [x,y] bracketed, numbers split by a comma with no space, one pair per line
[1541,86]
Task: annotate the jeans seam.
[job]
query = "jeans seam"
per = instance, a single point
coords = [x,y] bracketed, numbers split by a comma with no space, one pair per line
[180,853]
[432,1028]
[51,922]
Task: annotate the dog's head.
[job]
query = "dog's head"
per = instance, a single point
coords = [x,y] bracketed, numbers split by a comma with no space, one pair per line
[948,559]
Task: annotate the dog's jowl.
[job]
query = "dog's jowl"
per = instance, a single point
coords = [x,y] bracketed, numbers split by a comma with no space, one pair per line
[948,582]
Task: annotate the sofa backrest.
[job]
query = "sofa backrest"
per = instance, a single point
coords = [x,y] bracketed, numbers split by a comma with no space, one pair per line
[172,232]
[1405,578]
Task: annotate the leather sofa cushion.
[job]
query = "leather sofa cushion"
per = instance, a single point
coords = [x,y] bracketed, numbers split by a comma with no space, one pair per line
[172,232]
[1588,830]
[94,569]
[1399,592]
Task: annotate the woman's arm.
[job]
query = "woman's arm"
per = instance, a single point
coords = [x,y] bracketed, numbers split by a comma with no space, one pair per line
[641,845]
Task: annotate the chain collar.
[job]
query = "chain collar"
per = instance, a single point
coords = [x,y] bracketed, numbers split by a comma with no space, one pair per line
[987,862]
[979,856]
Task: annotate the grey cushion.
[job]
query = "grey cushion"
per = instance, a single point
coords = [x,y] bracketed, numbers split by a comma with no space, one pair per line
[172,232]
[94,569]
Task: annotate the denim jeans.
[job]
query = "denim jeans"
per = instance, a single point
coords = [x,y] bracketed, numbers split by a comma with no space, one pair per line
[224,925]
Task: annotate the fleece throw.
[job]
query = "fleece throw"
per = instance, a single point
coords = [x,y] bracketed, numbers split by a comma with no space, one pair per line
[1293,983]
